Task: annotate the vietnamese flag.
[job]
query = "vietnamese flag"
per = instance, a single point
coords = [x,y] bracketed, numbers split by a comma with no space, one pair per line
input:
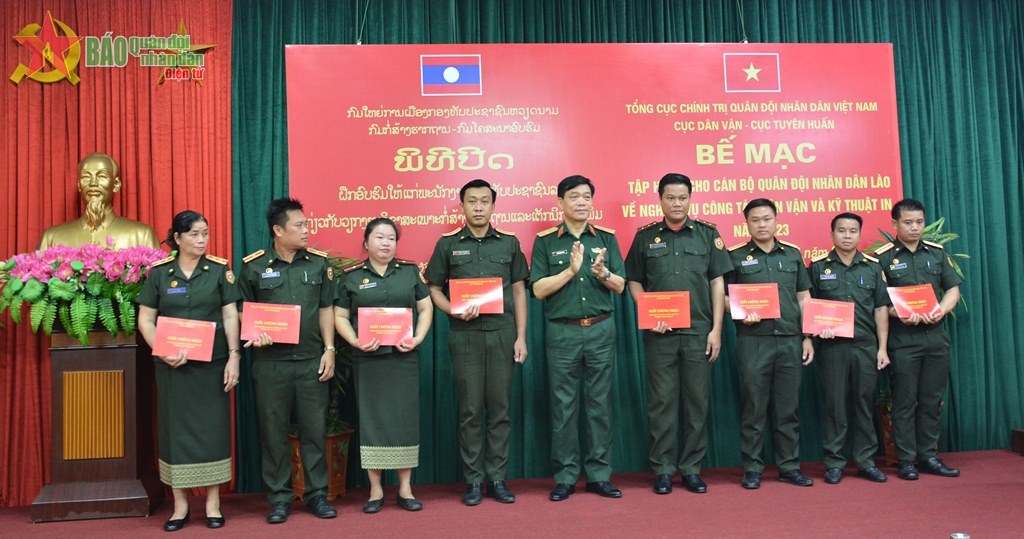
[752,72]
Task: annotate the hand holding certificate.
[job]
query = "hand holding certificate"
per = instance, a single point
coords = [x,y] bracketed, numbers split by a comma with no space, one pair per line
[822,314]
[910,300]
[387,325]
[485,292]
[279,321]
[760,299]
[195,337]
[672,308]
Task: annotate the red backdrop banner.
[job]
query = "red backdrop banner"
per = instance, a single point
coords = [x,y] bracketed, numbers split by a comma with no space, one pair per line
[171,140]
[396,130]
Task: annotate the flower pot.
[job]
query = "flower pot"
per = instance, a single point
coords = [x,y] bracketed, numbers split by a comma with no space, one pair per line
[337,464]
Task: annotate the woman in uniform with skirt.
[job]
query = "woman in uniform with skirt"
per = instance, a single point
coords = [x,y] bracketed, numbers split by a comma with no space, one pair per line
[386,377]
[193,404]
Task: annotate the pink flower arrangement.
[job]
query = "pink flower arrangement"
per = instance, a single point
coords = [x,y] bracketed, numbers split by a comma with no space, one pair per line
[80,284]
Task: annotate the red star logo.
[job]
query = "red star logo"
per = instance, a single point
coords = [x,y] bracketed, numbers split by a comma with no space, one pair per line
[48,47]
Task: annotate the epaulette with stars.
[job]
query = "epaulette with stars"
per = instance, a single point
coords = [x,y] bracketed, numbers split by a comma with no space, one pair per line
[787,244]
[884,248]
[543,233]
[819,258]
[706,223]
[604,229]
[871,258]
[353,266]
[648,225]
[217,260]
[253,256]
[734,247]
[161,261]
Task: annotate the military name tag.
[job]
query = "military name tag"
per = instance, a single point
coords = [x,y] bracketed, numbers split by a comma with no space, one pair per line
[367,285]
[901,265]
[460,253]
[827,276]
[180,290]
[661,245]
[557,253]
[270,274]
[749,262]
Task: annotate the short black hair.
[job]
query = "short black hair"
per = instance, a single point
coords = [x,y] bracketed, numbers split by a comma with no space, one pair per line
[573,182]
[381,221]
[277,212]
[673,178]
[847,215]
[907,204]
[757,203]
[181,224]
[474,184]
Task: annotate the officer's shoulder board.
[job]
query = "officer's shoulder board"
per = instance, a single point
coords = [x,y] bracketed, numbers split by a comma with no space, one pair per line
[546,232]
[706,223]
[217,260]
[505,232]
[787,244]
[452,233]
[406,261]
[353,266]
[871,258]
[648,225]
[737,246]
[253,256]
[932,244]
[604,229]
[884,248]
[317,252]
[819,258]
[161,262]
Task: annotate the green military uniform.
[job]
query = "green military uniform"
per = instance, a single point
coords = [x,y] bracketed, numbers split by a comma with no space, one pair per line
[483,363]
[919,354]
[285,375]
[580,338]
[193,411]
[387,381]
[768,354]
[848,367]
[665,260]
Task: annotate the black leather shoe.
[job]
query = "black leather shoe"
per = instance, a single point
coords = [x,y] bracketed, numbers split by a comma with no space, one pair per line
[751,480]
[695,484]
[176,524]
[215,522]
[373,506]
[562,491]
[409,504]
[279,512]
[319,507]
[604,489]
[935,466]
[663,483]
[872,474]
[473,495]
[796,477]
[907,471]
[498,491]
[833,476]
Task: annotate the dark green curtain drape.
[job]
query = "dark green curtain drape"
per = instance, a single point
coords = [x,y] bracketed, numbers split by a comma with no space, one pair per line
[959,86]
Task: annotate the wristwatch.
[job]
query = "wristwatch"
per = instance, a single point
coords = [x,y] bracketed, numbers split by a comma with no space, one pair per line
[330,349]
[607,274]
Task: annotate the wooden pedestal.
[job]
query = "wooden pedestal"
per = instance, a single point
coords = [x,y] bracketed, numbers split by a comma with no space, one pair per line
[102,459]
[1017,438]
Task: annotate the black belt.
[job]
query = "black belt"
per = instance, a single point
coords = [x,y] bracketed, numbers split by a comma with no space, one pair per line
[584,322]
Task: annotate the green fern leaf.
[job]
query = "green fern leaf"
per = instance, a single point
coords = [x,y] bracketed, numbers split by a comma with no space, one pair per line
[127,312]
[78,309]
[49,317]
[107,315]
[64,313]
[16,302]
[37,313]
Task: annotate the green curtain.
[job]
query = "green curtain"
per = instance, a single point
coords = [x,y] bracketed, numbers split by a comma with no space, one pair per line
[959,89]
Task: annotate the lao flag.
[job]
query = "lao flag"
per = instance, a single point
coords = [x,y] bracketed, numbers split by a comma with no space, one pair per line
[752,72]
[450,74]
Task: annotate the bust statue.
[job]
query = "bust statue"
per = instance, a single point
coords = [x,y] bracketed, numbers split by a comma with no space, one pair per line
[98,179]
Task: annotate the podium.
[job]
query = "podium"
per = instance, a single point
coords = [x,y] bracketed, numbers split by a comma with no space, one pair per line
[102,456]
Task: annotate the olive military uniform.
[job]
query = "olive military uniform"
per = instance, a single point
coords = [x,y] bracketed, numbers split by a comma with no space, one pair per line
[768,354]
[919,354]
[483,363]
[580,339]
[848,367]
[285,375]
[387,381]
[193,411]
[664,260]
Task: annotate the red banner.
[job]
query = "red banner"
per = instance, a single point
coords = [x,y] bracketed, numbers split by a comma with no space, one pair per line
[396,130]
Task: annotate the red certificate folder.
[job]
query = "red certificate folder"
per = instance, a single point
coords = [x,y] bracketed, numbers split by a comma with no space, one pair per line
[389,325]
[762,299]
[176,334]
[673,308]
[280,321]
[822,313]
[485,292]
[918,299]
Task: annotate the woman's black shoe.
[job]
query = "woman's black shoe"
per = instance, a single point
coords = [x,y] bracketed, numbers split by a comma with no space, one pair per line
[176,524]
[215,522]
